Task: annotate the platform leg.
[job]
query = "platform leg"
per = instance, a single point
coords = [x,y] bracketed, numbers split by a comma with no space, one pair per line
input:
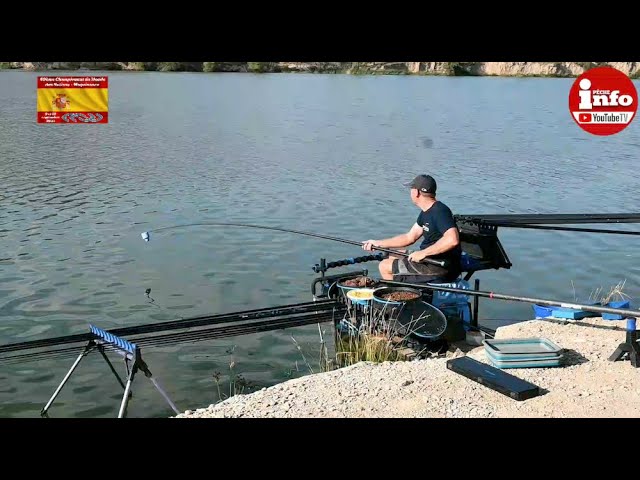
[106,359]
[476,300]
[127,389]
[619,353]
[629,347]
[86,350]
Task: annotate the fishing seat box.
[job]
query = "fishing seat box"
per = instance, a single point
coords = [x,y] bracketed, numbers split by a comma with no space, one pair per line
[456,307]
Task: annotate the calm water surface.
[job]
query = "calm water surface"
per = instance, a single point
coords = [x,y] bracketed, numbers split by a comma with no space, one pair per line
[324,153]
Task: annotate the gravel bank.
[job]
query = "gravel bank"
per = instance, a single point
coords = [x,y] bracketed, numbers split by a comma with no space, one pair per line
[588,386]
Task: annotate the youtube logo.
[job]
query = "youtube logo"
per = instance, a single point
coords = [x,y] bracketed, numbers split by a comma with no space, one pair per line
[603,101]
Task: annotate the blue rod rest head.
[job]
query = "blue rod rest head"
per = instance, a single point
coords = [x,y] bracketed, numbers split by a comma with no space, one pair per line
[631,324]
[113,339]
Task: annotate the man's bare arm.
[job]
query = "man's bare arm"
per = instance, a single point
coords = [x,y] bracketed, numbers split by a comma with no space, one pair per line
[449,240]
[399,241]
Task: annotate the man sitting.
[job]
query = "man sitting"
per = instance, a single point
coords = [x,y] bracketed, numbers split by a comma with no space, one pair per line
[441,240]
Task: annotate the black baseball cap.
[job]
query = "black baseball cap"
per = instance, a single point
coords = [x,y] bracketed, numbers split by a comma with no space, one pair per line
[424,183]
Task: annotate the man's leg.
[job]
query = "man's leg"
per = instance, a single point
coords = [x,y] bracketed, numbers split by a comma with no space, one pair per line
[413,272]
[386,268]
[386,265]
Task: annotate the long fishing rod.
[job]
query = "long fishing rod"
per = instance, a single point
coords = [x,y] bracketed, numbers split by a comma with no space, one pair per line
[537,301]
[561,218]
[146,236]
[184,337]
[567,229]
[191,322]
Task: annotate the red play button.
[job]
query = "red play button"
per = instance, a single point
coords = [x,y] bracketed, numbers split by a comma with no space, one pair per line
[585,117]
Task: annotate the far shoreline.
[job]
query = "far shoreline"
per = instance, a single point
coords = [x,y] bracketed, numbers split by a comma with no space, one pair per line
[412,69]
[47,72]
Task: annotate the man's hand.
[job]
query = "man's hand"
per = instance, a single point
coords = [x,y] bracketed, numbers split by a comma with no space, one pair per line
[368,245]
[417,256]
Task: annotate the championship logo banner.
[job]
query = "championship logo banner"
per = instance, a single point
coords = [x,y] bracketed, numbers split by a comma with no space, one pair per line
[73,100]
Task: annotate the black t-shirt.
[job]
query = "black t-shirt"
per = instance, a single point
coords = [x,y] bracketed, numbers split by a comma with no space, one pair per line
[434,222]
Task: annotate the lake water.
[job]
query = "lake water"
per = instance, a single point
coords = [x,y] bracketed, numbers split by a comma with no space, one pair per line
[321,153]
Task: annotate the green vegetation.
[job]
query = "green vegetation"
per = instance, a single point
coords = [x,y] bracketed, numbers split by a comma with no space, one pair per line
[211,67]
[260,67]
[367,348]
[237,384]
[179,66]
[456,69]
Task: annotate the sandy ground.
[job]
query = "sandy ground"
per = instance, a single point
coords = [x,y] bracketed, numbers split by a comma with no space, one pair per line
[588,385]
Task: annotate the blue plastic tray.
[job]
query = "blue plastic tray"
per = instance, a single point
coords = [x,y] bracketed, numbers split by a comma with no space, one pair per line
[615,316]
[540,363]
[523,358]
[510,349]
[569,313]
[541,311]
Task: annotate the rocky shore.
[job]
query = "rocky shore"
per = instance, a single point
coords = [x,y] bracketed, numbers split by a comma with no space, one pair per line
[520,69]
[588,385]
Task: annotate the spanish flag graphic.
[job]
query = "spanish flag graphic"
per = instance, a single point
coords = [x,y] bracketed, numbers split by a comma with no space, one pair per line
[79,100]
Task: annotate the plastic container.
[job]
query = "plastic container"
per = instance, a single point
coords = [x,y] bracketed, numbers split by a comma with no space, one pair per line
[379,292]
[440,297]
[457,304]
[524,363]
[360,296]
[614,316]
[468,263]
[344,289]
[511,349]
[542,312]
[568,313]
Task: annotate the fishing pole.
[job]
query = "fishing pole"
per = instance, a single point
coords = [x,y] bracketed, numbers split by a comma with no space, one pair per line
[146,236]
[567,229]
[537,301]
[562,218]
[184,337]
[191,322]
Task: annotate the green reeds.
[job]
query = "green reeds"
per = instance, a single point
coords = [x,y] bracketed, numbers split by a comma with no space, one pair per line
[237,383]
[374,335]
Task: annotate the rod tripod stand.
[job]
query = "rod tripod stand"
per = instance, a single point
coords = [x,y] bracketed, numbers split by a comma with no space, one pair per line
[630,347]
[131,353]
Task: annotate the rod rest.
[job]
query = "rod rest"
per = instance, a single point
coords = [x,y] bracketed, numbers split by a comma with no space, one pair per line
[317,268]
